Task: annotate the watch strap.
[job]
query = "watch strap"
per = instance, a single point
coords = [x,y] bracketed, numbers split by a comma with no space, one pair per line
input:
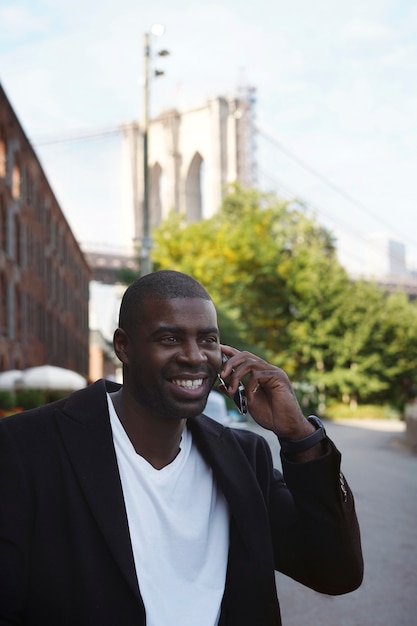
[293,446]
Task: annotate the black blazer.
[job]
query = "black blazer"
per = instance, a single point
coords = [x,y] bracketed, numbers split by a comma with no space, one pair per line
[65,552]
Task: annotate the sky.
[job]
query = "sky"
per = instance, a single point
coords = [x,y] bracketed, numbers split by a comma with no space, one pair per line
[336,100]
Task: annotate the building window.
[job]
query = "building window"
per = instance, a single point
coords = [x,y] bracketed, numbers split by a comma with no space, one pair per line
[18,314]
[3,305]
[11,311]
[3,154]
[16,180]
[3,225]
[17,240]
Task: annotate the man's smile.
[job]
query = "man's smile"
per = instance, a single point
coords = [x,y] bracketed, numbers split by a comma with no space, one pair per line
[188,383]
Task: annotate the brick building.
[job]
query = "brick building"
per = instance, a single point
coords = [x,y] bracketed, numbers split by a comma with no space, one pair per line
[44,277]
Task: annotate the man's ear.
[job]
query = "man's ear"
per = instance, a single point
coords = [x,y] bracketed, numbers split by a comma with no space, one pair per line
[120,345]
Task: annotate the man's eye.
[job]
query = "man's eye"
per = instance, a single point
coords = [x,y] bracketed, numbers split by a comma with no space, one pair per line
[210,340]
[170,339]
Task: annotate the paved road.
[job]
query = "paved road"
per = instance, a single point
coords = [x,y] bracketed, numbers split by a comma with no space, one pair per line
[383,477]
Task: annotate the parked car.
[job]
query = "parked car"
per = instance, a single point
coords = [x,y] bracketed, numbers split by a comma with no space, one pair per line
[216,407]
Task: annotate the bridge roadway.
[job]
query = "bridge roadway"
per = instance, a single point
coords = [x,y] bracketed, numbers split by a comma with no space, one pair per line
[106,267]
[383,475]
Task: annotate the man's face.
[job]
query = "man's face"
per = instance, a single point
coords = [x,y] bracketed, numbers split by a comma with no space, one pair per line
[173,356]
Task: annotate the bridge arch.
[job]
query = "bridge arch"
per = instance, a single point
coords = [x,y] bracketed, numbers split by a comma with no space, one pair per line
[193,189]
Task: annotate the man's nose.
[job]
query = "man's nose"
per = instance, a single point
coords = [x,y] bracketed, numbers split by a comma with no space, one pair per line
[192,352]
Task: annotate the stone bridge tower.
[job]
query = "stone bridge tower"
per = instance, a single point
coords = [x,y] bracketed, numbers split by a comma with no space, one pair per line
[193,154]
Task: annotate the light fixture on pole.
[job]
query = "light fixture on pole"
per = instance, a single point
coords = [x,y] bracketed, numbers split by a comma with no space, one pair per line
[146,243]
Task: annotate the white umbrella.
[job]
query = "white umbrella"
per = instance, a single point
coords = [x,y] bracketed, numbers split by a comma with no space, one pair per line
[47,377]
[8,379]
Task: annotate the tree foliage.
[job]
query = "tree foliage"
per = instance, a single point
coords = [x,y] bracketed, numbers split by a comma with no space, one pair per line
[273,274]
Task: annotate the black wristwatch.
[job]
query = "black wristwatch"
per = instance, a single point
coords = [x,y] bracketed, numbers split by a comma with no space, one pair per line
[291,446]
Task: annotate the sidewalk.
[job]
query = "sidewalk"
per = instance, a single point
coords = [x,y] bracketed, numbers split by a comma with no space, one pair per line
[393,426]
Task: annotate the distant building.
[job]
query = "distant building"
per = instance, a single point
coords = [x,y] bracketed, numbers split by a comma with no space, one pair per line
[386,258]
[44,277]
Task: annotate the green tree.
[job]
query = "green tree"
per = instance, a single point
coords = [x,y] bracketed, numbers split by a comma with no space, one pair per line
[352,372]
[396,339]
[273,274]
[254,256]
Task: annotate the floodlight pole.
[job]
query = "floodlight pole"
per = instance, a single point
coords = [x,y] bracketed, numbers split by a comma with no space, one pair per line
[146,244]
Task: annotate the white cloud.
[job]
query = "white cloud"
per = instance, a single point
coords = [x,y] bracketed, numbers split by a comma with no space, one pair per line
[366,30]
[18,22]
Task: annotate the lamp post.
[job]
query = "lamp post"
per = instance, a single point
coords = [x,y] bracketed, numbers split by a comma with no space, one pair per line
[146,244]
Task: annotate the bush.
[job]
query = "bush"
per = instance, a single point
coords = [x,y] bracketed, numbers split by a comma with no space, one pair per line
[7,400]
[30,398]
[53,395]
[364,411]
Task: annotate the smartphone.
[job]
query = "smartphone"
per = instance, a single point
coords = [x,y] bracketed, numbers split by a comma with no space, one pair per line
[239,398]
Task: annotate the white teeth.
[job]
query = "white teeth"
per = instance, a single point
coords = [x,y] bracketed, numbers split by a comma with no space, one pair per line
[190,384]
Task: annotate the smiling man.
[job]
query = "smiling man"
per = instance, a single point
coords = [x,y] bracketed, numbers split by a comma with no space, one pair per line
[125,505]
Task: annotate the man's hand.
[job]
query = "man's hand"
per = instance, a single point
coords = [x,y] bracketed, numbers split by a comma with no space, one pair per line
[271,399]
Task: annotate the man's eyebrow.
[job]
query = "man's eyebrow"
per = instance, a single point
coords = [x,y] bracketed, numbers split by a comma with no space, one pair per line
[167,329]
[176,330]
[211,330]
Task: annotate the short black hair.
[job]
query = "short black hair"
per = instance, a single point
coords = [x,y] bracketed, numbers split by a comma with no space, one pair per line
[161,285]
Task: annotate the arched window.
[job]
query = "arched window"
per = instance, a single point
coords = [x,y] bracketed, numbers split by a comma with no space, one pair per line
[193,185]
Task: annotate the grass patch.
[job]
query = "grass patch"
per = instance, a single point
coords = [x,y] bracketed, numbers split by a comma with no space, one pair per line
[365,411]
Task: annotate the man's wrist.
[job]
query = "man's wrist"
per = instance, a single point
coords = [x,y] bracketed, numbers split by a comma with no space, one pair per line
[295,446]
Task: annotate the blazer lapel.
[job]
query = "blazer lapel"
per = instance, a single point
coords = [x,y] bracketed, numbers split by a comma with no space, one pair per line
[86,433]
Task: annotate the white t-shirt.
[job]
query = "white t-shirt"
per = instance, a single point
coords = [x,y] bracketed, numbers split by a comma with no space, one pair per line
[179,528]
